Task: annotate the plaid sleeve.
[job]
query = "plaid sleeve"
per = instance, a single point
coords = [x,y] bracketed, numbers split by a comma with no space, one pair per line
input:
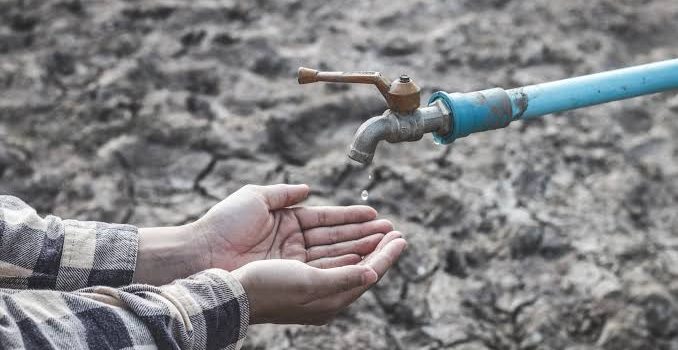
[208,310]
[50,253]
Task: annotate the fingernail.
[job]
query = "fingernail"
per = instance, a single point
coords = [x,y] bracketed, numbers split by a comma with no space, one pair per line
[369,277]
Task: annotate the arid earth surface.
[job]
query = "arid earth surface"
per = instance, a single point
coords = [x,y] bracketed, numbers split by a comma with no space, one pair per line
[561,233]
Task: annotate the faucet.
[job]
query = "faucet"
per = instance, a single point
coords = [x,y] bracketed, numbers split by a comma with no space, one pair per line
[397,127]
[449,116]
[402,121]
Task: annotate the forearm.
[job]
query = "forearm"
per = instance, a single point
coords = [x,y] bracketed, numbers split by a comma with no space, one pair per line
[207,310]
[51,253]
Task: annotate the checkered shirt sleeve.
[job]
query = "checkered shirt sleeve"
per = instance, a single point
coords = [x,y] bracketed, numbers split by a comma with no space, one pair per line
[51,253]
[208,310]
[57,291]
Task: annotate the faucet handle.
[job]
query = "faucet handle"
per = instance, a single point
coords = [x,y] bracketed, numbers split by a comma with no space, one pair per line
[401,95]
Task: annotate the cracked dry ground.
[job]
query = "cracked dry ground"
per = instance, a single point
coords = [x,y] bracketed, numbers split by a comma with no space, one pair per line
[554,234]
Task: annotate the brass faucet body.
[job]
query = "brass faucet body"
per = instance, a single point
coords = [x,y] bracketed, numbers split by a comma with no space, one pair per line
[403,121]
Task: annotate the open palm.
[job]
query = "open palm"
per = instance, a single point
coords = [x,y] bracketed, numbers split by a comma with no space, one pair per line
[258,222]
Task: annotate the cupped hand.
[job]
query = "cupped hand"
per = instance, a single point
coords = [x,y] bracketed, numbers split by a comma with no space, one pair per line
[258,223]
[291,292]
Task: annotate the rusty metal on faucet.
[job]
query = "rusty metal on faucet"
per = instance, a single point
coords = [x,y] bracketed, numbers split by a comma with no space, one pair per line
[402,95]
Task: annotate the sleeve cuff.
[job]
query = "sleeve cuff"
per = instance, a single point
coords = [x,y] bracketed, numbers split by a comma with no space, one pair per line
[218,309]
[97,254]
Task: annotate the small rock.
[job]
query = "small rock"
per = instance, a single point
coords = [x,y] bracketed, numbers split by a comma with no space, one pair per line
[266,60]
[445,210]
[193,38]
[635,120]
[526,241]
[61,63]
[225,39]
[23,23]
[659,308]
[199,107]
[553,245]
[476,256]
[455,263]
[202,81]
[660,315]
[399,46]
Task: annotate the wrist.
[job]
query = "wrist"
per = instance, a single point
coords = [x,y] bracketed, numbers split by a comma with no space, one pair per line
[168,253]
[240,274]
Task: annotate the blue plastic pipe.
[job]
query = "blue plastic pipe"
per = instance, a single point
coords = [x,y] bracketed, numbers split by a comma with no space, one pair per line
[495,108]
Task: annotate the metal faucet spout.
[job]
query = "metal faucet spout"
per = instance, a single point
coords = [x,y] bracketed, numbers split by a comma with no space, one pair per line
[394,127]
[368,136]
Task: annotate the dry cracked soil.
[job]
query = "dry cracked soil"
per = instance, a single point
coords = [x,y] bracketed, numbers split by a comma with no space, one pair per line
[560,233]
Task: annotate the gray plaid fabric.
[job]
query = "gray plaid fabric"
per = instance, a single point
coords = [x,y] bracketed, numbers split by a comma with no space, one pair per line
[66,255]
[57,291]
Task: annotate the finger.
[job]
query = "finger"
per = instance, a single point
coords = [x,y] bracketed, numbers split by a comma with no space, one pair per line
[342,279]
[361,247]
[283,195]
[310,217]
[342,233]
[337,302]
[336,261]
[389,237]
[382,260]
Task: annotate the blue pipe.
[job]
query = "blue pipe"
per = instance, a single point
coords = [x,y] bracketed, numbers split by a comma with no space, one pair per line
[495,108]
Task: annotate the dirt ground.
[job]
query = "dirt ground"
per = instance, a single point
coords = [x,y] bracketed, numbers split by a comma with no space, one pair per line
[560,233]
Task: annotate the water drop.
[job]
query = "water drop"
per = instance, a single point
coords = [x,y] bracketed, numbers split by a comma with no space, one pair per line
[436,141]
[369,176]
[421,270]
[364,195]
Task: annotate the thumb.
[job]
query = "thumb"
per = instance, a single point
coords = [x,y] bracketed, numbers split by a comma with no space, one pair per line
[345,278]
[282,195]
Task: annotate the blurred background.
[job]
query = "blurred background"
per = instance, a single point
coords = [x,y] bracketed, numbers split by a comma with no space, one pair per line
[559,233]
